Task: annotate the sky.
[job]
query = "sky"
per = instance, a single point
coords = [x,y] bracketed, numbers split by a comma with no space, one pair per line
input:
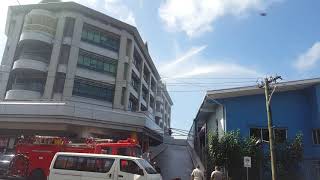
[200,45]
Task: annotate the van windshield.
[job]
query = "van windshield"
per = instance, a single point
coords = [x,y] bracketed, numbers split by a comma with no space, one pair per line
[147,166]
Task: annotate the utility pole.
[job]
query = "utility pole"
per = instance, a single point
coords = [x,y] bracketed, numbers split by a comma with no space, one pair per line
[267,85]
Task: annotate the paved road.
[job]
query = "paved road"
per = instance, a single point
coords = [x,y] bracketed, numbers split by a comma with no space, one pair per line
[174,162]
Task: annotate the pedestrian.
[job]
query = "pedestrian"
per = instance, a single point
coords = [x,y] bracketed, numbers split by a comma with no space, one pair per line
[149,156]
[197,174]
[216,174]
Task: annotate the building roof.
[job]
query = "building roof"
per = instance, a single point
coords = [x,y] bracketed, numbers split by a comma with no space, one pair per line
[212,97]
[90,13]
[253,90]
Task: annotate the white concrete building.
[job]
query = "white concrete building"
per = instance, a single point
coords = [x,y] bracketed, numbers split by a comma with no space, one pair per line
[70,70]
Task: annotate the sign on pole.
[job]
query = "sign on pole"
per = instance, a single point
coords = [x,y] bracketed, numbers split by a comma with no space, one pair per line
[247,162]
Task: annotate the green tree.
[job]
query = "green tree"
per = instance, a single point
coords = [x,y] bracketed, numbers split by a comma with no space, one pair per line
[228,151]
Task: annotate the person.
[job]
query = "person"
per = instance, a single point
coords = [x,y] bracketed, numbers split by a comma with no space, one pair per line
[216,174]
[197,174]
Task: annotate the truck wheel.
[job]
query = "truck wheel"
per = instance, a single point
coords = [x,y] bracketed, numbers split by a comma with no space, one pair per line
[37,175]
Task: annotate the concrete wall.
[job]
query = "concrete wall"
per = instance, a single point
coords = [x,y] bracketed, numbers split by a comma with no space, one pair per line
[216,118]
[293,110]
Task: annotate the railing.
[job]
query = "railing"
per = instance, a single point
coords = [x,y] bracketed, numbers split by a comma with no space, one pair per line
[33,56]
[28,86]
[40,28]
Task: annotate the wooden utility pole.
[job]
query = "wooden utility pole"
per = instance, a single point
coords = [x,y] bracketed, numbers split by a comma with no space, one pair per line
[267,86]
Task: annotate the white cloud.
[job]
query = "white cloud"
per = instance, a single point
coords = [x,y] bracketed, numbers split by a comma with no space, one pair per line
[192,64]
[308,59]
[192,52]
[195,17]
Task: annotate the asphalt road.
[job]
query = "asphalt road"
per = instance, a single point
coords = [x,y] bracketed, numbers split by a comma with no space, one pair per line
[174,162]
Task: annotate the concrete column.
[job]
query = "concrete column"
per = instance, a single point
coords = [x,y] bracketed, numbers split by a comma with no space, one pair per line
[120,80]
[54,60]
[127,93]
[73,58]
[140,88]
[12,42]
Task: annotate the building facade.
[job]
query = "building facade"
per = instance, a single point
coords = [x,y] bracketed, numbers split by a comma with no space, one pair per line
[70,70]
[295,108]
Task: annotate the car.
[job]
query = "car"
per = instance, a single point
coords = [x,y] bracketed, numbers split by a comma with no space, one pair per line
[5,160]
[78,166]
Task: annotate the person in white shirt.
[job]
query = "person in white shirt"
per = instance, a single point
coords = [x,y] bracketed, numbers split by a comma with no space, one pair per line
[216,174]
[197,174]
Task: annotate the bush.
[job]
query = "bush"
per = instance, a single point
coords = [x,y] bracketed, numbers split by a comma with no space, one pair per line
[228,151]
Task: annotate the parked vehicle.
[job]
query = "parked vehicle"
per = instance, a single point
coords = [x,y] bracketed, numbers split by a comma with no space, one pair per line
[33,156]
[83,166]
[5,160]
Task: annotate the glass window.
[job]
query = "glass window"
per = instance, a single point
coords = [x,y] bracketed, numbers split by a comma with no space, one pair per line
[255,132]
[106,67]
[124,151]
[90,35]
[71,163]
[129,166]
[93,63]
[86,61]
[81,60]
[60,163]
[146,165]
[112,68]
[106,150]
[84,34]
[100,38]
[96,62]
[96,37]
[90,164]
[316,136]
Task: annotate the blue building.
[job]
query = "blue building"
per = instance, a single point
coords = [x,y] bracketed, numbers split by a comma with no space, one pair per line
[295,108]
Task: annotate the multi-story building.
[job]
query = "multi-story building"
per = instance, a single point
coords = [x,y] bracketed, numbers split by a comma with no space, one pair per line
[70,70]
[295,109]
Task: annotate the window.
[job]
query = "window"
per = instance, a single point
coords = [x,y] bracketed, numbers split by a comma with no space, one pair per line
[143,108]
[147,166]
[263,133]
[145,93]
[124,151]
[96,62]
[129,166]
[100,38]
[316,136]
[90,164]
[92,90]
[68,27]
[135,83]
[106,150]
[137,60]
[133,103]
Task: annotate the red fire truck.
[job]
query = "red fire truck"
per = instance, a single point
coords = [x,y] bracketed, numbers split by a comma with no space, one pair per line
[33,155]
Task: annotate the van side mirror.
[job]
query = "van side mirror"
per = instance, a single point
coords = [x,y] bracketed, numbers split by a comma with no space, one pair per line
[140,172]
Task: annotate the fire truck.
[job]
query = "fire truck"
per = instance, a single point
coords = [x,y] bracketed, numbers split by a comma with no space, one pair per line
[34,155]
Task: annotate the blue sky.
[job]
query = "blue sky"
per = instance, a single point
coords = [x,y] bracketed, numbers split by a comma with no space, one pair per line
[199,45]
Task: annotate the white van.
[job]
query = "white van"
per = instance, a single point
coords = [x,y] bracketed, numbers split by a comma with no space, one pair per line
[81,166]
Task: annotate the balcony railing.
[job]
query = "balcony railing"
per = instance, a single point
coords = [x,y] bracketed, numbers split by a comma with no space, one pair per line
[28,86]
[39,28]
[34,56]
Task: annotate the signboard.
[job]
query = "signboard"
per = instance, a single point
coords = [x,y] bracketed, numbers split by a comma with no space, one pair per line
[247,162]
